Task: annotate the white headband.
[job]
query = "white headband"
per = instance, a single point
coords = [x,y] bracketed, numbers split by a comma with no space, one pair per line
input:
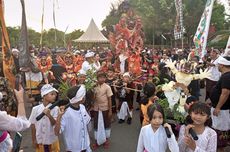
[15,50]
[126,74]
[223,61]
[79,95]
[89,54]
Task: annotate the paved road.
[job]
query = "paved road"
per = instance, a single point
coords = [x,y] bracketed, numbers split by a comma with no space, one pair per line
[123,136]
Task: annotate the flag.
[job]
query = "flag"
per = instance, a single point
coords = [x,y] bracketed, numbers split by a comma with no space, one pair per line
[163,36]
[227,50]
[43,7]
[200,38]
[24,55]
[8,62]
[54,20]
[178,29]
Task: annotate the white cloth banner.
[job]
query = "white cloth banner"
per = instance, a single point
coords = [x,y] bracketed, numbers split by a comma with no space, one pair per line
[124,111]
[178,29]
[101,136]
[201,36]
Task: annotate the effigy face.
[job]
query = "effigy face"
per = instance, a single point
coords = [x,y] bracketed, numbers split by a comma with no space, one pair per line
[43,62]
[69,60]
[131,24]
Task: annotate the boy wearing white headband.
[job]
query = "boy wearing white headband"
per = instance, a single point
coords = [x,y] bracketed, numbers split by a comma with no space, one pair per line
[73,122]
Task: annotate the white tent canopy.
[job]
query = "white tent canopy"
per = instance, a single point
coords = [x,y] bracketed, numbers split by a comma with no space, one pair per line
[92,34]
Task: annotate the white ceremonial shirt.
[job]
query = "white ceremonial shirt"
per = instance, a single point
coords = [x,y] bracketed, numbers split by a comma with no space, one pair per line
[97,66]
[10,123]
[44,130]
[74,128]
[207,141]
[86,66]
[215,73]
[156,141]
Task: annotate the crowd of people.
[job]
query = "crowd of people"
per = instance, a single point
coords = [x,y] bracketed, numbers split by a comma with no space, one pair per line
[114,93]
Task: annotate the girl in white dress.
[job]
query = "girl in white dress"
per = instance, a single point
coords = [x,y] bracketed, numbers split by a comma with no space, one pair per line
[153,137]
[199,120]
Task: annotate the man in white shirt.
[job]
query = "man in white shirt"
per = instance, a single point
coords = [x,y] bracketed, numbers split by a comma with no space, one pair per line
[88,63]
[215,73]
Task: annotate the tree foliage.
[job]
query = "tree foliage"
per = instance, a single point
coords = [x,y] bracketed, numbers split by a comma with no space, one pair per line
[159,16]
[48,37]
[218,19]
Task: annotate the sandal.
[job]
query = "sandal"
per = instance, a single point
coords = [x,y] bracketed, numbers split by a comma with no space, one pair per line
[106,144]
[95,146]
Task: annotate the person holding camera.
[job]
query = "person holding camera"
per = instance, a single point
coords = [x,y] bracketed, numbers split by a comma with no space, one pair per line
[10,123]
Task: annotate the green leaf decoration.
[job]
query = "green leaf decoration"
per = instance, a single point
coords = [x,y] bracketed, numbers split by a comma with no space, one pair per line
[166,80]
[64,87]
[91,79]
[156,80]
[171,114]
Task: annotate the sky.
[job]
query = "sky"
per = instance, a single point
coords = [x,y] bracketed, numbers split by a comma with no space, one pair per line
[74,14]
[70,14]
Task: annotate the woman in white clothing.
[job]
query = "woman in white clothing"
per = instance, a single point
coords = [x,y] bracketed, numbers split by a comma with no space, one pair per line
[153,137]
[97,64]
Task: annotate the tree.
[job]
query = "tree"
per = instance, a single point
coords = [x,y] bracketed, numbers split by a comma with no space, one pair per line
[14,35]
[218,16]
[34,37]
[49,38]
[158,16]
[74,35]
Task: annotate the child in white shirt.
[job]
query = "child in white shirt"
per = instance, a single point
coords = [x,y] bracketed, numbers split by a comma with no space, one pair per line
[153,137]
[198,119]
[73,122]
[43,136]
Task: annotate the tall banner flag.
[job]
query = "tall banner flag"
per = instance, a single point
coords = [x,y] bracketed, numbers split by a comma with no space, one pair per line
[41,38]
[8,62]
[54,20]
[201,36]
[227,50]
[24,55]
[178,29]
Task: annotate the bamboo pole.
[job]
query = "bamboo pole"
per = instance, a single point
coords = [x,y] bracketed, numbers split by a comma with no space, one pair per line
[126,88]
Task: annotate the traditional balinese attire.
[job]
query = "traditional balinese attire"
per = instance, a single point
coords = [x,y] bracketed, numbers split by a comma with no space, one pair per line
[45,136]
[213,78]
[123,63]
[125,101]
[89,66]
[207,141]
[150,141]
[74,125]
[101,111]
[221,123]
[46,139]
[6,143]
